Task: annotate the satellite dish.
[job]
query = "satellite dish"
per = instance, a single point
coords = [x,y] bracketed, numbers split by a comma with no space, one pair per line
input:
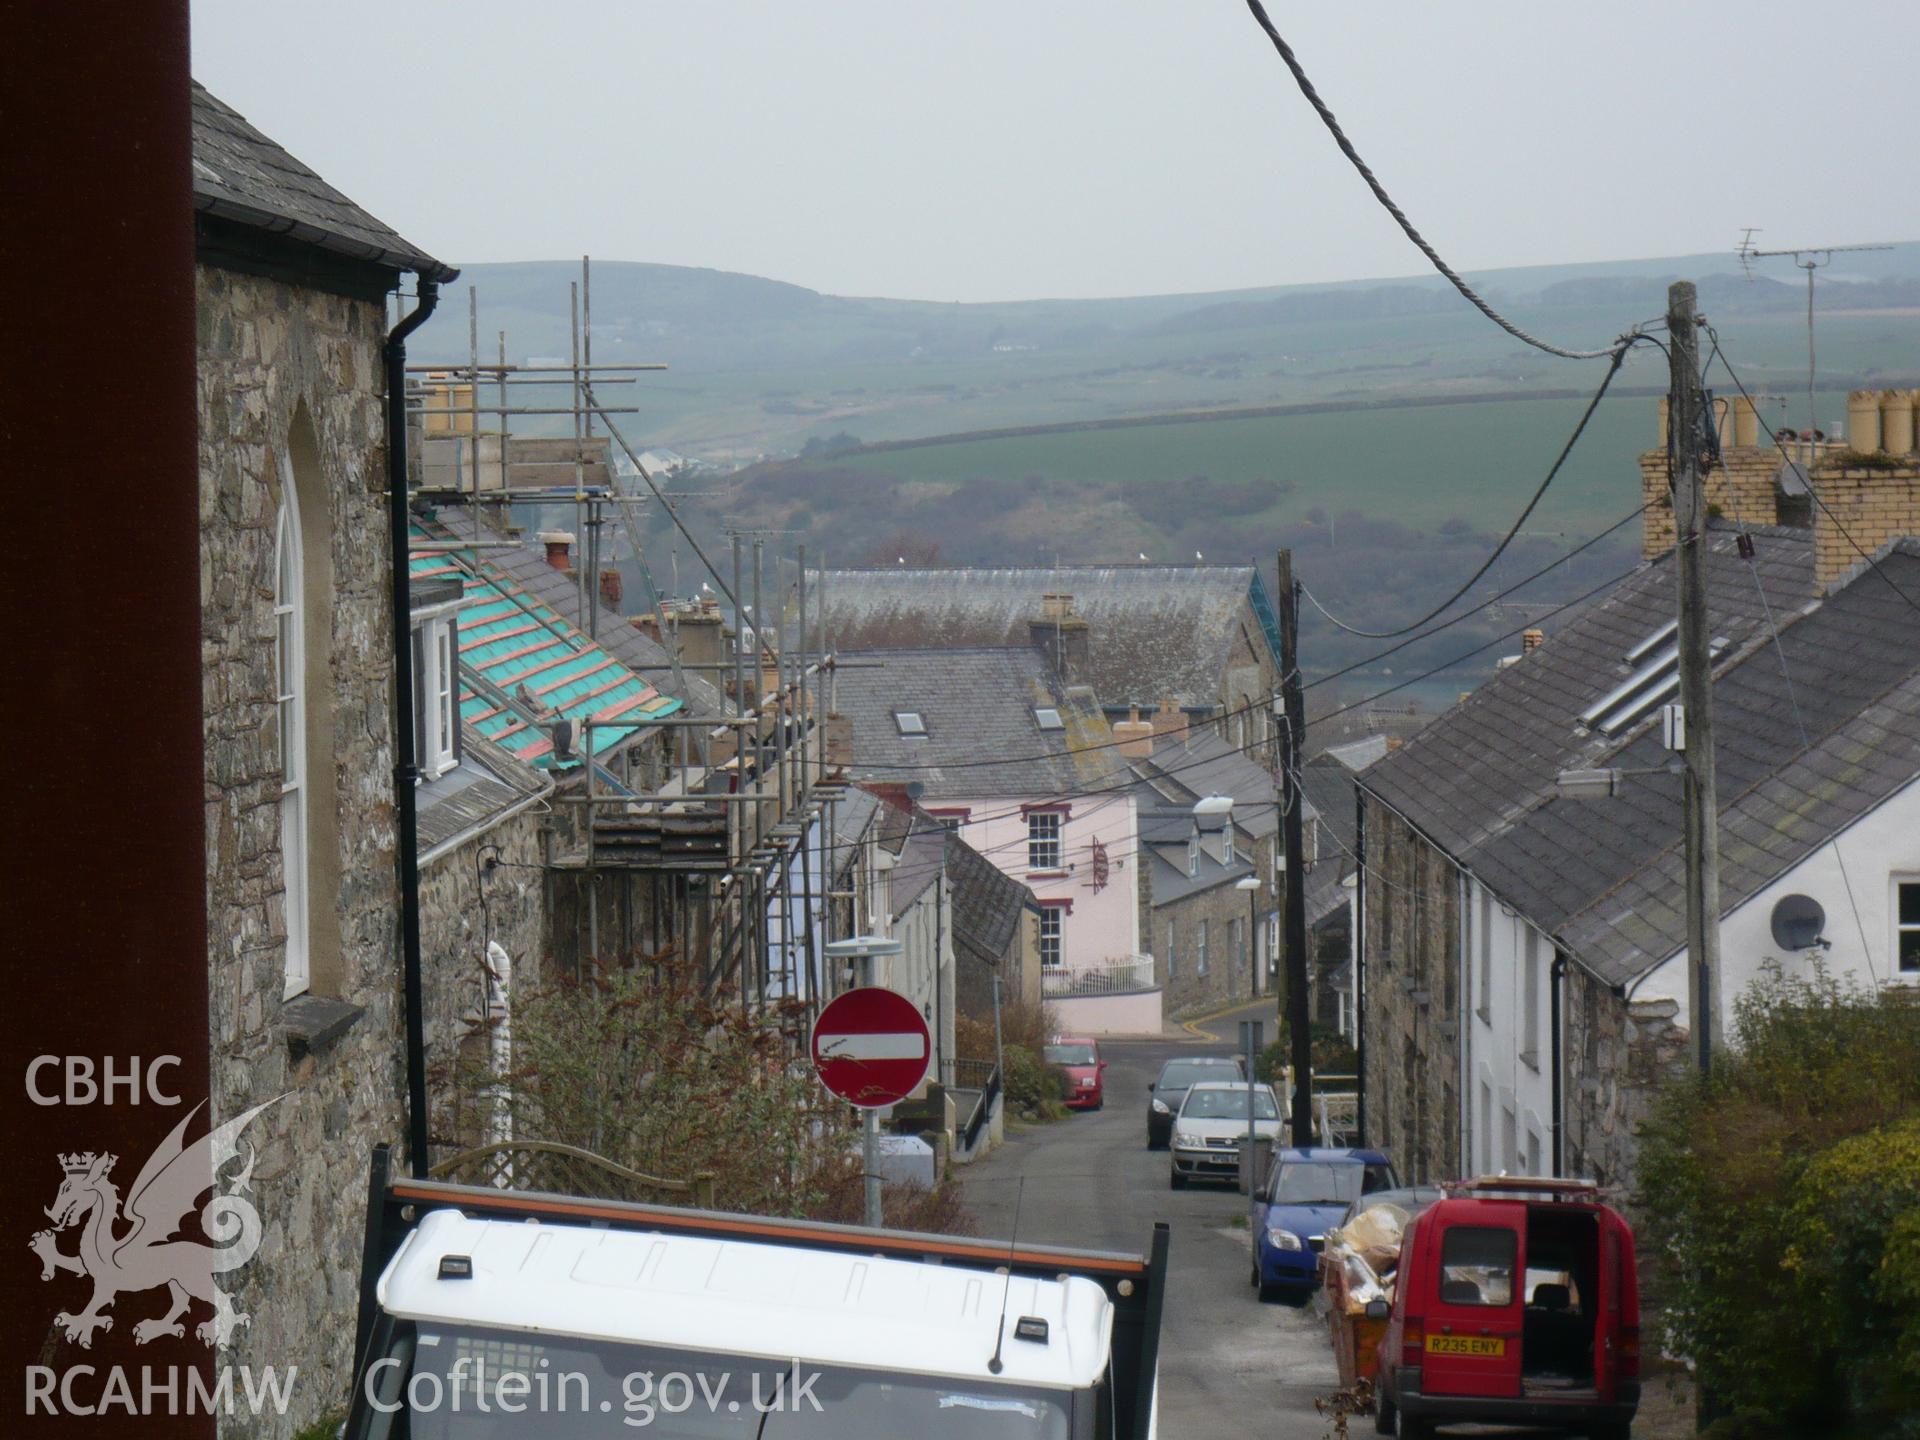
[915,789]
[1792,480]
[1797,923]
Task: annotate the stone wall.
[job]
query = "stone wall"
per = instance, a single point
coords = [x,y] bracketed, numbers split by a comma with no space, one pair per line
[463,905]
[1185,989]
[1618,1054]
[274,359]
[1411,999]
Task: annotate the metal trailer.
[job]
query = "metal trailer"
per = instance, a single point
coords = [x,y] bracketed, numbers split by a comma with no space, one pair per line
[1135,1285]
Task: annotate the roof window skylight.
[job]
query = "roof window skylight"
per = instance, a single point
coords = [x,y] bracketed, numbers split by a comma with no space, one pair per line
[909,722]
[1654,683]
[1048,718]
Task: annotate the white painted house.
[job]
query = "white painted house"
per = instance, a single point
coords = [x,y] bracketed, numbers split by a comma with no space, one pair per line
[1525,972]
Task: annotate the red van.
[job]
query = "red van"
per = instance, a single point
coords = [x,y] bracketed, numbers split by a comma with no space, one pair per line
[1517,1304]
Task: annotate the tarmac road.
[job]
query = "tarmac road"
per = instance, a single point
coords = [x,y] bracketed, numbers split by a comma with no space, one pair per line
[1229,1366]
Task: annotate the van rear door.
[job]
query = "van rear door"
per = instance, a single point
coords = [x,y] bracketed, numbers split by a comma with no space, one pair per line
[1473,1327]
[1616,1348]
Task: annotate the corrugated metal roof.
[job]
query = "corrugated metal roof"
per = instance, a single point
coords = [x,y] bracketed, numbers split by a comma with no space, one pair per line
[523,666]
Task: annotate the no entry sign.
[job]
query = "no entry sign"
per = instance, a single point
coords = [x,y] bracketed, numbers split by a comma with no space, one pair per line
[871,1047]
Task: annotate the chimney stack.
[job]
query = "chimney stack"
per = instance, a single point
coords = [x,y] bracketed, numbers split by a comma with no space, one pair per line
[1896,422]
[1169,719]
[703,635]
[1062,636]
[1532,640]
[613,590]
[559,545]
[1133,737]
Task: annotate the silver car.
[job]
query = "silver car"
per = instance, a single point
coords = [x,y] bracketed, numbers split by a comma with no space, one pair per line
[1212,1123]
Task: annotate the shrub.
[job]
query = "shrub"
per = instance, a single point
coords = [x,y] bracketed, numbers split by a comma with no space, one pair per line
[1780,1199]
[1033,1086]
[1332,1054]
[641,1067]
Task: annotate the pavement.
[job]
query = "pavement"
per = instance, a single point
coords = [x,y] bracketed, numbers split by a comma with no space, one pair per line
[1229,1366]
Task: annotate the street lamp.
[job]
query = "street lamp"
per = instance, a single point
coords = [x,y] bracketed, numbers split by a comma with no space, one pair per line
[865,949]
[1251,884]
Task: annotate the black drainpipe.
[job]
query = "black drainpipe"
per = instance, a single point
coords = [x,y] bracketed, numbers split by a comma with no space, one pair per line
[1556,974]
[1358,945]
[406,770]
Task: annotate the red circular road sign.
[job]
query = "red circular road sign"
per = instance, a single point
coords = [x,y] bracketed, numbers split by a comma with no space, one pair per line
[871,1047]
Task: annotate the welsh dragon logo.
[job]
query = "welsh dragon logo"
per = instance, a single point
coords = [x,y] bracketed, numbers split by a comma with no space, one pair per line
[135,1250]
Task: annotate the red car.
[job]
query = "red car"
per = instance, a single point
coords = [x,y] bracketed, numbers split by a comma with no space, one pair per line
[1079,1056]
[1517,1304]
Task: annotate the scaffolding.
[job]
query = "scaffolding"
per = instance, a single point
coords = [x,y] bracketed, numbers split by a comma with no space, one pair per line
[721,850]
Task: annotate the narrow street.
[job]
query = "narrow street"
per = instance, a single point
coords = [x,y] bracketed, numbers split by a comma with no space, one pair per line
[1229,1366]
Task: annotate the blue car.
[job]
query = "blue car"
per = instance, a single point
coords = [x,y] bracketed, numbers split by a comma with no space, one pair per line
[1306,1193]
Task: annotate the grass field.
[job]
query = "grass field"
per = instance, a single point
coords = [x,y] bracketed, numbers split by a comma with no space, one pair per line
[1421,467]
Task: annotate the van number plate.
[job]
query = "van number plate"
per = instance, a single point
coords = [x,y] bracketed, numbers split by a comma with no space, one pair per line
[1466,1345]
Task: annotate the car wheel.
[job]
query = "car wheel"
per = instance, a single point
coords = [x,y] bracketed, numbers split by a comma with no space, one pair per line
[1253,1274]
[1384,1415]
[1176,1181]
[1269,1294]
[1422,1429]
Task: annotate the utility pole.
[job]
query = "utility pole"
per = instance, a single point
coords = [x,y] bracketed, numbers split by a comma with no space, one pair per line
[1687,419]
[1293,744]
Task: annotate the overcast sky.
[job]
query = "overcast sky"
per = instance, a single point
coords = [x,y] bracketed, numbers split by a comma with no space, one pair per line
[1013,149]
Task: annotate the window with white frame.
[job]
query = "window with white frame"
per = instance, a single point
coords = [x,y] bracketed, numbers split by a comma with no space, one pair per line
[1229,852]
[437,695]
[1051,917]
[1173,955]
[1193,857]
[1043,840]
[1200,948]
[1235,942]
[1906,924]
[290,703]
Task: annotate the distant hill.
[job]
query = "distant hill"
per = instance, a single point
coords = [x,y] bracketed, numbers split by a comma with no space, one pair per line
[1383,429]
[759,367]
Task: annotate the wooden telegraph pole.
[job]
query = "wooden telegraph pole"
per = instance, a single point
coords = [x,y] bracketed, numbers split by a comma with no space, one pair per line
[1686,410]
[1293,745]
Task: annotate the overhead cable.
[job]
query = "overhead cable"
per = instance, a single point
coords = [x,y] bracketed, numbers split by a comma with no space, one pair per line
[1512,530]
[1399,215]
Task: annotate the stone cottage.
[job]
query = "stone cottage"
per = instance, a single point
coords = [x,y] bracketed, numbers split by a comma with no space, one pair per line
[303,901]
[1523,972]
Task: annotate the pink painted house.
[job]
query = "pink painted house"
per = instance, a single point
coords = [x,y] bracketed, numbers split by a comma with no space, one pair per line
[990,741]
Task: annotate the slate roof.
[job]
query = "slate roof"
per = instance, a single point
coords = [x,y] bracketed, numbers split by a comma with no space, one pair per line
[1202,762]
[977,705]
[1171,883]
[1802,749]
[484,788]
[522,665]
[241,175]
[1330,799]
[853,816]
[987,904]
[1156,631]
[1480,766]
